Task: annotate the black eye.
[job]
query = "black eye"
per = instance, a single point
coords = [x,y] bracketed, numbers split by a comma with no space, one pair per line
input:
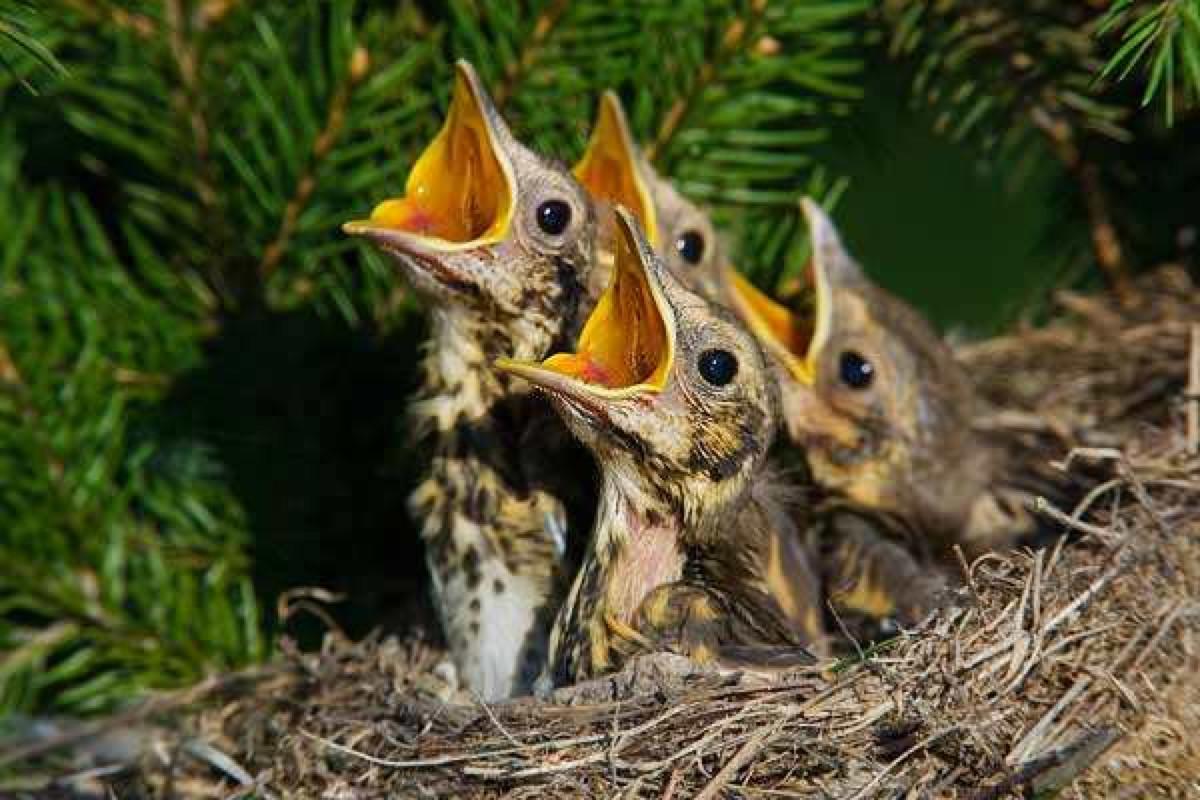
[553,216]
[717,366]
[856,371]
[690,246]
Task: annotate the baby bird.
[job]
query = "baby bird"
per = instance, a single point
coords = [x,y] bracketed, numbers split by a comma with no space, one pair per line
[616,173]
[498,242]
[884,578]
[884,412]
[675,400]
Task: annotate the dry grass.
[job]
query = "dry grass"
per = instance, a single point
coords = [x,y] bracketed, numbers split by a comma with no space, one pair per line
[1073,669]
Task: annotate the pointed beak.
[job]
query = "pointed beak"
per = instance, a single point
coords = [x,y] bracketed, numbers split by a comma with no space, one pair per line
[794,337]
[461,193]
[627,346]
[611,170]
[786,334]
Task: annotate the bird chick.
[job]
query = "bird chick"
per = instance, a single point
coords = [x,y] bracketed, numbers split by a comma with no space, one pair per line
[883,411]
[675,400]
[881,576]
[498,242]
[616,172]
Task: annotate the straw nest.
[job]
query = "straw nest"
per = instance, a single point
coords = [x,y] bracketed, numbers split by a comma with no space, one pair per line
[1072,669]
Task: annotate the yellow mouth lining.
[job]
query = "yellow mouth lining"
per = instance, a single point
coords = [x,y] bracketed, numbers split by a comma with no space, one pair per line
[790,336]
[628,343]
[609,166]
[461,191]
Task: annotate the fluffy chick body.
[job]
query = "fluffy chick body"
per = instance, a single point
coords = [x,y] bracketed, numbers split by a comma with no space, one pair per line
[683,543]
[498,241]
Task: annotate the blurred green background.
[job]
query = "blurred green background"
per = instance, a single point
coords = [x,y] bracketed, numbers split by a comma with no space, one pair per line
[936,222]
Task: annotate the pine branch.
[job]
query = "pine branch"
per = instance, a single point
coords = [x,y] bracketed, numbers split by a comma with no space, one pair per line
[516,69]
[1106,245]
[998,72]
[188,104]
[123,571]
[738,31]
[1161,41]
[335,118]
[15,29]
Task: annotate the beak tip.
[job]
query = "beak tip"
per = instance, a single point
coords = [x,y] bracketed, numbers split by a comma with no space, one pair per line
[359,227]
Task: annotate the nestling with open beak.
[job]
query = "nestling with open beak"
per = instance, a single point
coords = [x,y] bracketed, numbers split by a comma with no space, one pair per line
[884,412]
[616,173]
[498,242]
[675,400]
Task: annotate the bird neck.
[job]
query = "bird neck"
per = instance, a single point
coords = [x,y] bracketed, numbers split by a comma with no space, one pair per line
[459,382]
[634,549]
[639,546]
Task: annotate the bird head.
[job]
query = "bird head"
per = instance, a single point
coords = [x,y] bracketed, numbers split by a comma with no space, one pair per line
[669,391]
[486,224]
[870,391]
[615,172]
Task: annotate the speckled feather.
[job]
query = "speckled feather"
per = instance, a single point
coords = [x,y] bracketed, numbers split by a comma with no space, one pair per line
[684,515]
[908,445]
[492,509]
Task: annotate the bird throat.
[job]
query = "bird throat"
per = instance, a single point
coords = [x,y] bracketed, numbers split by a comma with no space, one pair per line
[643,553]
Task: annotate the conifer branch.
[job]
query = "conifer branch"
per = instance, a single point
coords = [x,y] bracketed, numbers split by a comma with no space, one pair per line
[734,36]
[335,118]
[187,99]
[9,373]
[516,69]
[1106,245]
[138,24]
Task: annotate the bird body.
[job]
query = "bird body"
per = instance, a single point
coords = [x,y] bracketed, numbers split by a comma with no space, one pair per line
[498,241]
[681,429]
[615,171]
[885,414]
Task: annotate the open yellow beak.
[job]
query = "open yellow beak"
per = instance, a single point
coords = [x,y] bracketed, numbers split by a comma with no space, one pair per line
[787,335]
[628,343]
[609,167]
[795,338]
[461,192]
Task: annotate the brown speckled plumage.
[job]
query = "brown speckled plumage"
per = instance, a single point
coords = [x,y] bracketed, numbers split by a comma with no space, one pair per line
[908,443]
[685,532]
[491,506]
[905,449]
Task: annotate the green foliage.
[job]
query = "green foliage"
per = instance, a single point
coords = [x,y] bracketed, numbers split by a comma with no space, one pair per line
[998,70]
[1033,80]
[14,31]
[124,562]
[1162,41]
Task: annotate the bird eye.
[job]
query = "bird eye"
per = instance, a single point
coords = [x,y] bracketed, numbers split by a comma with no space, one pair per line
[690,246]
[553,216]
[856,372]
[717,366]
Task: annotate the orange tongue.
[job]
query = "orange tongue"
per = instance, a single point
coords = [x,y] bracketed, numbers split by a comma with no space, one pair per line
[624,342]
[583,367]
[406,214]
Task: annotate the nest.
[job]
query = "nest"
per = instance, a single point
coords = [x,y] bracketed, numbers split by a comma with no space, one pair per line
[1070,669]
